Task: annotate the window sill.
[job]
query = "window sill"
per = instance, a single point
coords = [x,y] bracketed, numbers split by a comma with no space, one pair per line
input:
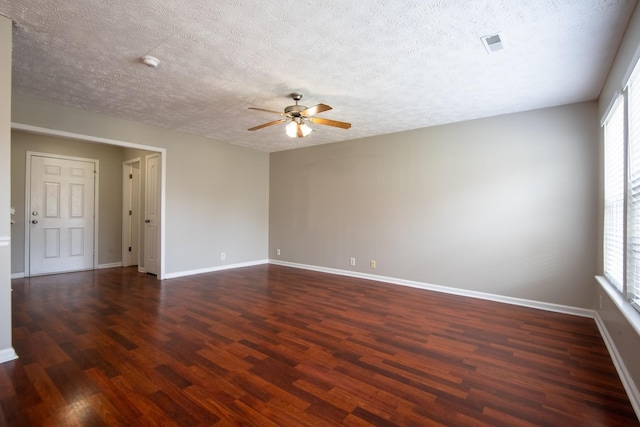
[631,314]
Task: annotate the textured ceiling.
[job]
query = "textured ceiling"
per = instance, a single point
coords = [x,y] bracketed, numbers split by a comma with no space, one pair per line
[384,66]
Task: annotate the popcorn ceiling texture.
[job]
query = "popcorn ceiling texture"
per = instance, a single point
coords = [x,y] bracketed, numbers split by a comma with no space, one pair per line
[384,66]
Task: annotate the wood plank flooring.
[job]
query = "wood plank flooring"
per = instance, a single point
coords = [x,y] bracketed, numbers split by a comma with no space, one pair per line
[276,346]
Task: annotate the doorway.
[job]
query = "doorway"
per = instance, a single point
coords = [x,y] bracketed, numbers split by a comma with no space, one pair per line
[162,156]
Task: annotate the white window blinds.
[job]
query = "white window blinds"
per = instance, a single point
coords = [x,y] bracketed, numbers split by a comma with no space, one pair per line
[633,218]
[614,194]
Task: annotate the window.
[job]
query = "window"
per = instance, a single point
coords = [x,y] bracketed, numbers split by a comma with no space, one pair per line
[614,194]
[633,218]
[621,237]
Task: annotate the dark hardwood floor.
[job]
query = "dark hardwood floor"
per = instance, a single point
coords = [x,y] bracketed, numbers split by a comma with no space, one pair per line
[271,345]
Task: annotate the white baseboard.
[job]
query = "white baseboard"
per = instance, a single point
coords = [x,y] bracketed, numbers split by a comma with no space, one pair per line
[217,268]
[7,354]
[111,265]
[627,381]
[100,267]
[576,311]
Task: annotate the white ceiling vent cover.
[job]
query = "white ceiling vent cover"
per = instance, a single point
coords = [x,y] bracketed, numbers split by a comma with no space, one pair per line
[493,42]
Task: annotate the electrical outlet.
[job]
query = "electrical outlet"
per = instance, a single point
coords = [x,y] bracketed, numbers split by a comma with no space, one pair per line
[372,264]
[352,261]
[223,256]
[278,252]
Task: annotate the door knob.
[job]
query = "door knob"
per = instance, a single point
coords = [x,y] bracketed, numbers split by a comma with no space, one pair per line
[147,221]
[34,213]
[35,221]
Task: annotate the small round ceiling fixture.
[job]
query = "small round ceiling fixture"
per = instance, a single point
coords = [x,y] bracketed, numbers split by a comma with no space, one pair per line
[150,61]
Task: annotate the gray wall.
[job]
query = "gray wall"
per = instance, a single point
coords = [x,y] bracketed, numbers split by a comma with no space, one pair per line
[217,194]
[5,179]
[110,190]
[625,337]
[221,195]
[505,205]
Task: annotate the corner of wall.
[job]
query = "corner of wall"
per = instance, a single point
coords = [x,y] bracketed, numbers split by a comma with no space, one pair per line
[6,27]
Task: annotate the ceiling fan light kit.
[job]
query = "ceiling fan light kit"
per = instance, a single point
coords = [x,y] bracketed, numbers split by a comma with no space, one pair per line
[297,114]
[295,129]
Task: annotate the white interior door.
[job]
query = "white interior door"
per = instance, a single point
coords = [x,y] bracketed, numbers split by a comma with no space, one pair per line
[131,213]
[152,214]
[61,215]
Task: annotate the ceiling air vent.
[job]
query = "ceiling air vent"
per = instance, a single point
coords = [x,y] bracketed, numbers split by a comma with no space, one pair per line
[493,42]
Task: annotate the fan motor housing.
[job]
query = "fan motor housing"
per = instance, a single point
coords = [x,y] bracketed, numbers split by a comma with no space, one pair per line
[294,110]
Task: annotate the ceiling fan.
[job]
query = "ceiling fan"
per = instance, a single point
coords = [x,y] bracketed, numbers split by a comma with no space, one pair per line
[298,115]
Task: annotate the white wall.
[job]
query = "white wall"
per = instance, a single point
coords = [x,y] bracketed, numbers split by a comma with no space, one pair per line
[6,349]
[505,205]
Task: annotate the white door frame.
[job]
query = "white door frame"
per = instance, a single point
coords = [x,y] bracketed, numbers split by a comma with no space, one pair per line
[88,138]
[27,204]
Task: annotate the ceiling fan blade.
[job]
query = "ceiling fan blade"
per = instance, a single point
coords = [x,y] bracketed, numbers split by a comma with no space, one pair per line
[275,122]
[314,110]
[268,111]
[328,122]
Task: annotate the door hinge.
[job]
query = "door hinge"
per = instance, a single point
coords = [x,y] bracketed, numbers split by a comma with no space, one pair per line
[130,212]
[130,176]
[129,248]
